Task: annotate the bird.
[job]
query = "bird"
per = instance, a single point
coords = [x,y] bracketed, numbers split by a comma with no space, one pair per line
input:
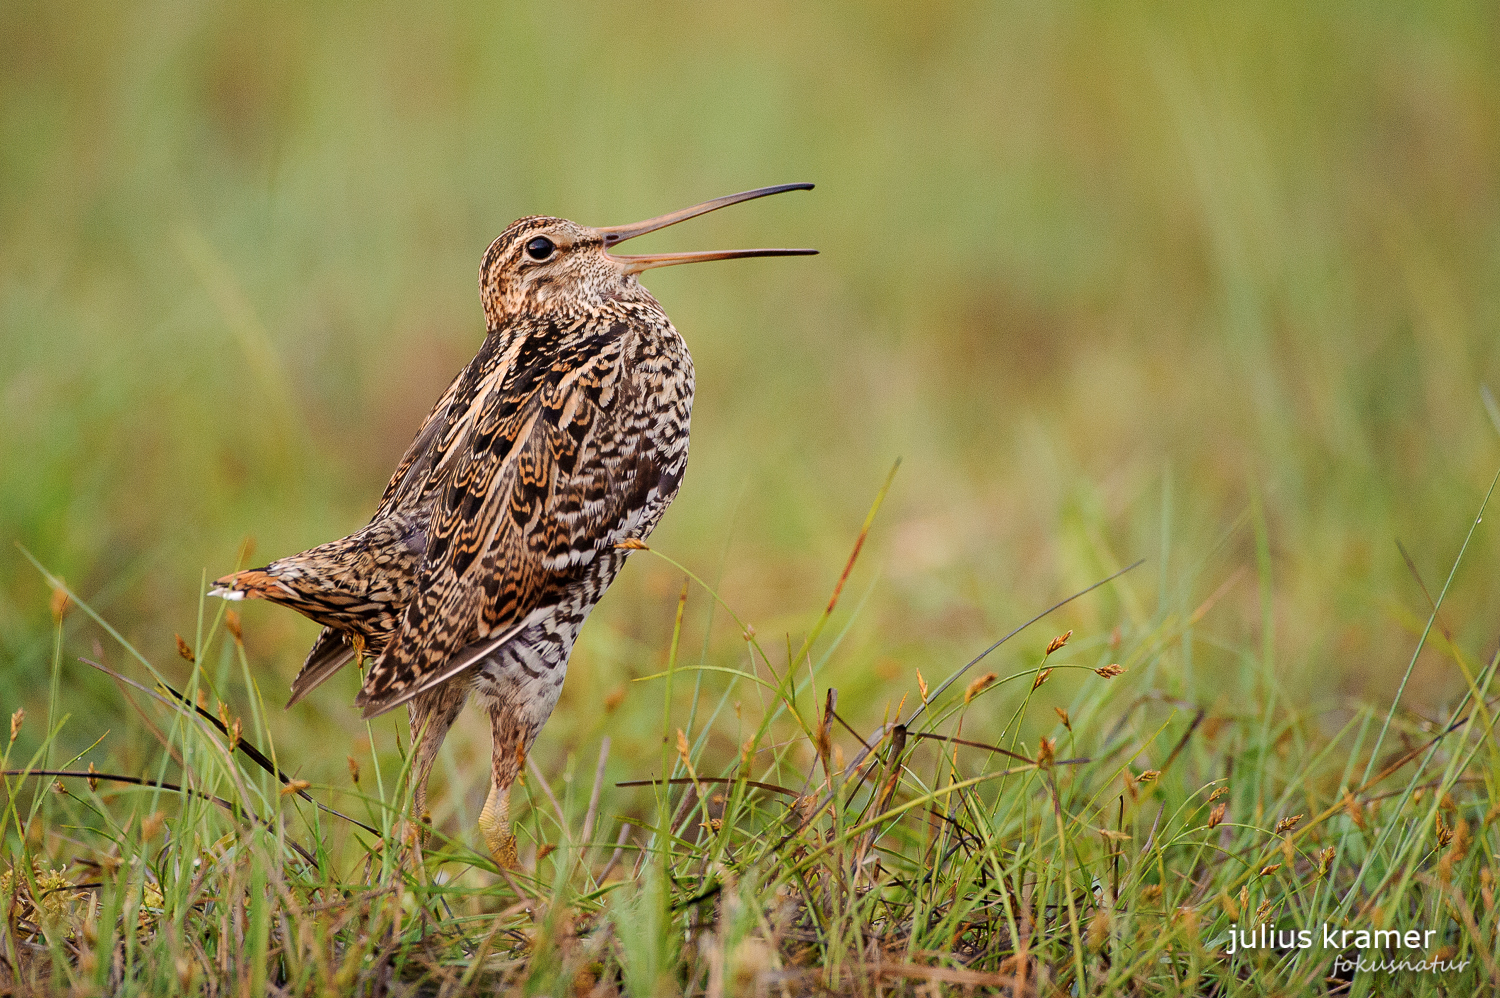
[546,461]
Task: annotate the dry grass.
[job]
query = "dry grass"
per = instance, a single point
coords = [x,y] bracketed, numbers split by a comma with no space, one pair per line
[1109,855]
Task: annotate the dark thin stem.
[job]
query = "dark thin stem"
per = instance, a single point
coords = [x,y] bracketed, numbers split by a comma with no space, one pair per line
[981,656]
[137,781]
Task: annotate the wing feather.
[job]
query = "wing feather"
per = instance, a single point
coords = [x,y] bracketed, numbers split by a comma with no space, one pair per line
[330,653]
[544,479]
[332,650]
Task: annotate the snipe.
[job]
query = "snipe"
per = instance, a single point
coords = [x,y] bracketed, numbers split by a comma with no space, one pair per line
[564,438]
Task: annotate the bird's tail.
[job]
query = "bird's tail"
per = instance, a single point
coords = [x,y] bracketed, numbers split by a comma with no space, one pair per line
[253,583]
[314,583]
[351,584]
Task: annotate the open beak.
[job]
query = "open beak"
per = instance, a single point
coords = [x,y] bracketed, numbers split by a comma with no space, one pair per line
[636,264]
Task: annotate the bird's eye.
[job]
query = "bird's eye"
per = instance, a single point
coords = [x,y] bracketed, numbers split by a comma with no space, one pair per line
[540,248]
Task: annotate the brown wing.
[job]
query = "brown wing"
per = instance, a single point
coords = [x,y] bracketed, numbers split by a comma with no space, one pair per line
[408,482]
[330,653]
[547,472]
[333,650]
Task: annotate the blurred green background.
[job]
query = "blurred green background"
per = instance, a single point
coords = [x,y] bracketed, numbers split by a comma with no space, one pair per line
[1113,280]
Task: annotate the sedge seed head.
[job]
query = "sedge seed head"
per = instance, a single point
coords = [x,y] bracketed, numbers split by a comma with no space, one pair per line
[59,603]
[978,686]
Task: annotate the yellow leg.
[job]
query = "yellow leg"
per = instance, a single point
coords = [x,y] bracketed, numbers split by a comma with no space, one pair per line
[494,822]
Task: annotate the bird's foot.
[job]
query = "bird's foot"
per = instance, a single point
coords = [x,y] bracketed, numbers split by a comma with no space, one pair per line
[504,853]
[495,824]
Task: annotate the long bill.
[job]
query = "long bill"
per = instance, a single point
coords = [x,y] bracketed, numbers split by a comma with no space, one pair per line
[649,261]
[616,234]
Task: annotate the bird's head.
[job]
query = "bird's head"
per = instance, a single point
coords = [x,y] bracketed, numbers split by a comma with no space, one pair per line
[541,264]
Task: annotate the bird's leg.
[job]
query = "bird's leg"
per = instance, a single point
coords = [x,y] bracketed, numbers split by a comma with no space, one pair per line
[431,715]
[511,739]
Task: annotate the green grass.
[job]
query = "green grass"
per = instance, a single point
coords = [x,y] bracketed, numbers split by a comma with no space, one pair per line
[1111,853]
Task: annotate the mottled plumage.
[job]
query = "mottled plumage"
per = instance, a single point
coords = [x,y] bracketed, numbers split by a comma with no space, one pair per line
[565,437]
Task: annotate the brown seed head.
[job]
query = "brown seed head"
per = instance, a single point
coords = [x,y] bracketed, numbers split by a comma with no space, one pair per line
[16,720]
[1059,641]
[187,969]
[1099,929]
[294,787]
[353,770]
[184,649]
[93,780]
[1110,671]
[1218,792]
[632,544]
[1287,824]
[59,603]
[1266,871]
[1325,860]
[1217,815]
[1149,775]
[151,825]
[1045,752]
[1354,809]
[544,850]
[921,686]
[1062,715]
[1461,838]
[1041,677]
[236,731]
[978,686]
[232,625]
